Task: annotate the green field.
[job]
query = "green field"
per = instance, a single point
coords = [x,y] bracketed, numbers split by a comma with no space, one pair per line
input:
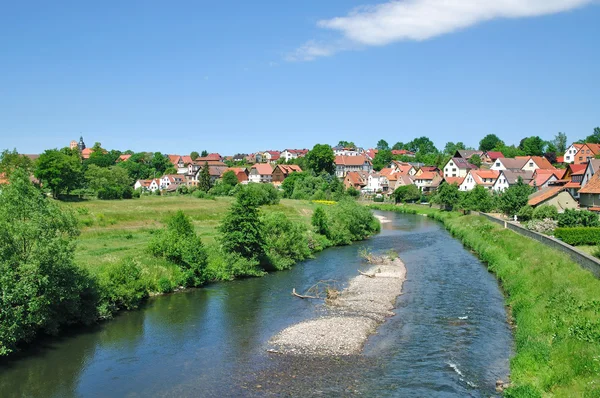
[114,230]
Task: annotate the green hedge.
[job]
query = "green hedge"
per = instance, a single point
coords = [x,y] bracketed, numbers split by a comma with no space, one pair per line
[578,236]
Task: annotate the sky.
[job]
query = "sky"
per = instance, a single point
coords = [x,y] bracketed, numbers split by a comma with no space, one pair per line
[241,76]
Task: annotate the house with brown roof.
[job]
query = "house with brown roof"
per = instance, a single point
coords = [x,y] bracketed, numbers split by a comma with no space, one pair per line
[377,182]
[403,152]
[403,168]
[569,156]
[490,157]
[143,184]
[543,179]
[282,171]
[509,163]
[428,181]
[574,177]
[346,164]
[240,172]
[556,196]
[271,156]
[458,167]
[536,162]
[484,178]
[592,167]
[467,154]
[454,180]
[508,178]
[589,196]
[586,152]
[261,173]
[170,180]
[356,179]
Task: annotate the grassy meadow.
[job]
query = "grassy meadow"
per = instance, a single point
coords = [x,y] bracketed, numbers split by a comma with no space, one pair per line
[115,230]
[555,307]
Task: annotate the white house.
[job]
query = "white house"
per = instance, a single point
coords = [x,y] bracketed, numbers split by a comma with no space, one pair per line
[508,178]
[144,184]
[458,167]
[376,182]
[485,178]
[171,179]
[571,152]
[154,185]
[427,181]
[261,173]
[345,164]
[402,168]
[290,154]
[592,167]
[509,164]
[341,151]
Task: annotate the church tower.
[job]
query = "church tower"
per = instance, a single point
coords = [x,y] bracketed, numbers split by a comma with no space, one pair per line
[81,144]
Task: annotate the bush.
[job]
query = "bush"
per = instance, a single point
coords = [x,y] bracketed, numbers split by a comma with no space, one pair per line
[164,285]
[179,244]
[574,218]
[349,221]
[264,194]
[545,211]
[320,222]
[200,194]
[525,214]
[596,252]
[378,199]
[183,190]
[286,242]
[353,192]
[137,193]
[546,226]
[578,236]
[120,287]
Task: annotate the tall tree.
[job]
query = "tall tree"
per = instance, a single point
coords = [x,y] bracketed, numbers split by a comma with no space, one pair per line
[204,182]
[594,138]
[204,154]
[451,147]
[347,144]
[12,160]
[560,142]
[447,195]
[382,159]
[475,160]
[382,145]
[490,142]
[160,163]
[194,155]
[532,146]
[398,145]
[406,193]
[422,145]
[109,182]
[515,197]
[321,158]
[59,171]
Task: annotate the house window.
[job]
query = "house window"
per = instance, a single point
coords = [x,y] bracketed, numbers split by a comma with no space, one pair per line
[453,169]
[530,164]
[497,164]
[581,158]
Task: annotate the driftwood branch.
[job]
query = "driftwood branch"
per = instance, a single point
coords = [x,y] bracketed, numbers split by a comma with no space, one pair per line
[365,274]
[303,296]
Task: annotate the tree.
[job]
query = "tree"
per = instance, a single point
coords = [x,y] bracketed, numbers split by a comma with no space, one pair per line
[515,197]
[160,163]
[137,167]
[347,144]
[10,161]
[560,142]
[478,199]
[532,146]
[475,160]
[101,158]
[398,145]
[382,159]
[109,183]
[42,288]
[509,151]
[58,171]
[321,158]
[229,178]
[422,145]
[204,154]
[320,222]
[451,147]
[447,195]
[289,184]
[594,138]
[407,193]
[204,182]
[382,145]
[490,142]
[241,229]
[194,155]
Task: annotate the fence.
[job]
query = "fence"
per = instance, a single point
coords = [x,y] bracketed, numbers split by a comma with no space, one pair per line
[588,262]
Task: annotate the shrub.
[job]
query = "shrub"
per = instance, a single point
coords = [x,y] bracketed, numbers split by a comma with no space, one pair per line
[183,189]
[353,192]
[525,214]
[596,252]
[575,218]
[120,287]
[545,211]
[286,242]
[546,226]
[349,221]
[264,194]
[320,222]
[578,236]
[179,244]
[378,199]
[137,193]
[164,285]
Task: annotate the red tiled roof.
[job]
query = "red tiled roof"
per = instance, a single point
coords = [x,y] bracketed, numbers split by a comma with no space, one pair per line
[429,168]
[124,158]
[240,173]
[174,159]
[577,169]
[355,178]
[288,168]
[350,160]
[427,175]
[542,162]
[400,152]
[560,159]
[593,185]
[454,180]
[572,185]
[543,195]
[263,168]
[495,155]
[540,177]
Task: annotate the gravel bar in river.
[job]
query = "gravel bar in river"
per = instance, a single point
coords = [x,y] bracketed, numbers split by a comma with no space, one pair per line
[351,317]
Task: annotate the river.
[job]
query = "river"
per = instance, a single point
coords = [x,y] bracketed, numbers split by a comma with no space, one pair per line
[449,336]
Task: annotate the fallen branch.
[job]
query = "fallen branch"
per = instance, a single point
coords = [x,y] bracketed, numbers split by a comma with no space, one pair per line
[302,296]
[365,274]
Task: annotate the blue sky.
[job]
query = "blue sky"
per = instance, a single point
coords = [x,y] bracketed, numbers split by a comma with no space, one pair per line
[238,76]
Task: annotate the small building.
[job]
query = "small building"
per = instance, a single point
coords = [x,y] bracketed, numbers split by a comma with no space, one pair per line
[484,178]
[569,156]
[557,196]
[467,154]
[290,154]
[403,168]
[508,178]
[143,184]
[346,164]
[589,196]
[543,179]
[169,180]
[356,179]
[240,172]
[403,152]
[458,167]
[592,167]
[490,157]
[282,171]
[586,152]
[509,163]
[377,182]
[261,173]
[428,182]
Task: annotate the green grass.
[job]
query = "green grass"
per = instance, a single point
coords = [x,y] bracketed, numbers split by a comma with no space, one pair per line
[555,307]
[114,230]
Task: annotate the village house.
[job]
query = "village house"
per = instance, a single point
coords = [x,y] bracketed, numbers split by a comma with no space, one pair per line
[509,164]
[154,185]
[458,167]
[342,151]
[467,154]
[484,178]
[403,152]
[282,171]
[454,180]
[170,180]
[241,174]
[592,167]
[556,196]
[261,173]
[574,177]
[569,156]
[431,169]
[402,168]
[490,157]
[345,164]
[536,162]
[271,156]
[589,196]
[239,157]
[356,179]
[403,180]
[586,152]
[508,178]
[428,181]
[143,184]
[290,154]
[544,178]
[376,182]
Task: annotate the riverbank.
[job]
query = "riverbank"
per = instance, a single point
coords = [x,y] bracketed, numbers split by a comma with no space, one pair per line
[553,305]
[351,316]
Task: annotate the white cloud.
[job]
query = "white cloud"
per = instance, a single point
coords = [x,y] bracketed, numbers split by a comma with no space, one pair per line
[394,21]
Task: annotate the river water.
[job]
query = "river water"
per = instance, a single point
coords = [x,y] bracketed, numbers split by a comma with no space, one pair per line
[449,336]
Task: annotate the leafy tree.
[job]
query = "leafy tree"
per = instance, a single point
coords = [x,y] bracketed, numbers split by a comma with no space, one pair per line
[42,289]
[532,146]
[382,145]
[160,163]
[286,242]
[407,193]
[451,147]
[509,151]
[321,158]
[229,178]
[525,214]
[109,183]
[382,159]
[447,195]
[347,144]
[422,145]
[353,192]
[560,142]
[545,211]
[204,182]
[179,244]
[398,146]
[515,197]
[320,222]
[477,199]
[475,160]
[137,167]
[101,158]
[204,154]
[241,229]
[594,138]
[10,161]
[574,218]
[490,142]
[194,155]
[59,171]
